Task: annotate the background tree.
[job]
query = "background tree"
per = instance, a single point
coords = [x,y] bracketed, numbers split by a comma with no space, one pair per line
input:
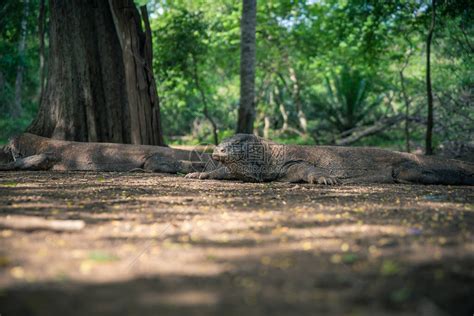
[429,92]
[247,67]
[300,47]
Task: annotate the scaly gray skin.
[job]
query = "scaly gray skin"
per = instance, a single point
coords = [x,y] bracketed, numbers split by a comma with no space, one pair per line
[31,152]
[252,158]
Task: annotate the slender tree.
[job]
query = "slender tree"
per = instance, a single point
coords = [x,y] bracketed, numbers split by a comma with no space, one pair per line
[41,31]
[205,104]
[407,110]
[100,83]
[17,107]
[406,98]
[303,122]
[247,67]
[429,91]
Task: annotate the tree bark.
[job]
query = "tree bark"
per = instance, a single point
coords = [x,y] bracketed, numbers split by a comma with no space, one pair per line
[247,67]
[100,86]
[429,124]
[156,137]
[17,109]
[143,102]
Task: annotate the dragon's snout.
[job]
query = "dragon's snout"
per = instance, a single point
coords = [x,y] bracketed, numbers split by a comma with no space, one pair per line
[219,153]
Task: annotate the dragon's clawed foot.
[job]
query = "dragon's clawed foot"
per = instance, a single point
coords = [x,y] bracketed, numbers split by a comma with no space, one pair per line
[197,175]
[314,179]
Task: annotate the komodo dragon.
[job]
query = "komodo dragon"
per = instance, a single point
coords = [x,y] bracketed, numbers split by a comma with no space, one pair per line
[252,158]
[31,152]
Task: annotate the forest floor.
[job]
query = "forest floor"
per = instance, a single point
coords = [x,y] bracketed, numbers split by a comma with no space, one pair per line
[164,245]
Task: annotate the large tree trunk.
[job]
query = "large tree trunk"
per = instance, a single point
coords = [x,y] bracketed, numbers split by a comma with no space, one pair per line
[247,67]
[137,57]
[100,86]
[17,107]
[429,124]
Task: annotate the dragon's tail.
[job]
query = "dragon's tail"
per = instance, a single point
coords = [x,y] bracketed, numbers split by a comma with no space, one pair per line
[433,170]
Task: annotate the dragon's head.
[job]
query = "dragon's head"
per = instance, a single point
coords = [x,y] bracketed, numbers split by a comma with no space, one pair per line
[246,155]
[236,148]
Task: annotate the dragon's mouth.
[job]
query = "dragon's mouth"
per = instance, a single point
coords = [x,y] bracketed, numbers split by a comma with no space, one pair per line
[219,156]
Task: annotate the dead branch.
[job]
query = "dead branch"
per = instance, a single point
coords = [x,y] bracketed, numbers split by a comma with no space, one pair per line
[365,131]
[31,223]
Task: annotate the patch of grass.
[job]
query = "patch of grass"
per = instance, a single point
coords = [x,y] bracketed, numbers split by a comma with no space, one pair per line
[349,258]
[9,184]
[400,295]
[294,140]
[389,268]
[4,261]
[100,256]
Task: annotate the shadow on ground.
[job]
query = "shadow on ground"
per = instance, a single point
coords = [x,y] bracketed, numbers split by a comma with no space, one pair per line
[164,245]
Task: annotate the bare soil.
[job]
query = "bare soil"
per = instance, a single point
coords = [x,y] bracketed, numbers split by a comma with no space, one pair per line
[164,245]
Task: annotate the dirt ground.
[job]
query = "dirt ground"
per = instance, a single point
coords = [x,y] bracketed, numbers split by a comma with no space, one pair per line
[165,245]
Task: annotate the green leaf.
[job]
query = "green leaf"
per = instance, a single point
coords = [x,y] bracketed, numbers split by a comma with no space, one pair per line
[141,2]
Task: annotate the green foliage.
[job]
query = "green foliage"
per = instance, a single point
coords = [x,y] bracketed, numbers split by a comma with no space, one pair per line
[346,100]
[294,139]
[184,61]
[181,40]
[344,57]
[140,3]
[11,15]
